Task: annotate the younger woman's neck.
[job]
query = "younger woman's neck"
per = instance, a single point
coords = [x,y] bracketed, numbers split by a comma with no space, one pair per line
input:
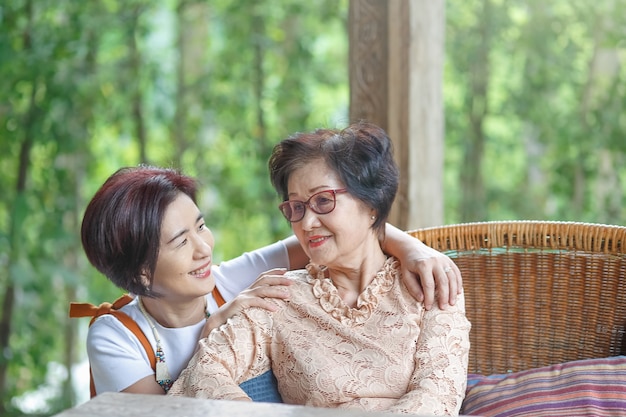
[175,314]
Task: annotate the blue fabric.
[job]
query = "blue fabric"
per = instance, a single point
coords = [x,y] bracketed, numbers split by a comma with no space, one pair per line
[262,388]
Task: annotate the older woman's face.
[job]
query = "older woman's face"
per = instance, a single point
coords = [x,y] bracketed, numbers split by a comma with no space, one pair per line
[338,239]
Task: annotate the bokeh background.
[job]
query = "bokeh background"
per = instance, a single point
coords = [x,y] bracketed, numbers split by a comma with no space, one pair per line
[535,128]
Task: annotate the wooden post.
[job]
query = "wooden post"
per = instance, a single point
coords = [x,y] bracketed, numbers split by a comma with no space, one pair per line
[396,71]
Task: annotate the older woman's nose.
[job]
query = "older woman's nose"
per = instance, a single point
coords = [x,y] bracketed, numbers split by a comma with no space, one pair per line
[310,220]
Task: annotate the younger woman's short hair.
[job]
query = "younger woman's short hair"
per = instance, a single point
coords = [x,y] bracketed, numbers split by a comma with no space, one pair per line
[121,226]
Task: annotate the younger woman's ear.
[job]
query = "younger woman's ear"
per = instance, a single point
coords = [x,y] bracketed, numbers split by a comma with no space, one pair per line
[144,279]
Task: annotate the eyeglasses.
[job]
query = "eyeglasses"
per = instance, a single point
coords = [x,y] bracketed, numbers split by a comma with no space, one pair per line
[321,203]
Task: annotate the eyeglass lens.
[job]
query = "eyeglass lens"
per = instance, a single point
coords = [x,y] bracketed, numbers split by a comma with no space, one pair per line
[321,203]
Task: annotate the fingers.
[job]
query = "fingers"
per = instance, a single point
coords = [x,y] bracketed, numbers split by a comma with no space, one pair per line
[265,303]
[270,272]
[455,285]
[261,293]
[444,290]
[434,279]
[271,277]
[262,296]
[426,278]
[268,291]
[275,271]
[459,278]
[412,283]
[269,286]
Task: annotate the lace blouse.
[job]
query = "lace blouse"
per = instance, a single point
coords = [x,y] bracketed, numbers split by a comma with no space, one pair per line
[386,354]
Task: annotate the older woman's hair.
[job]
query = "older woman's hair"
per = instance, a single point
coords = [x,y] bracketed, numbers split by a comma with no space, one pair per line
[121,227]
[361,155]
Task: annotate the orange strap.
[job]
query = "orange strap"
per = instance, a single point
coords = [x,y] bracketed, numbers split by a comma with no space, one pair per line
[218,297]
[90,310]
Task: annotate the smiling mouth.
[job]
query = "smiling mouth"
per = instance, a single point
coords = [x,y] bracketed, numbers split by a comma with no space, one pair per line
[317,241]
[204,271]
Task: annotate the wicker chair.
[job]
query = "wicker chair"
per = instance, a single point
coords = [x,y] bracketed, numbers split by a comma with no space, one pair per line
[538,293]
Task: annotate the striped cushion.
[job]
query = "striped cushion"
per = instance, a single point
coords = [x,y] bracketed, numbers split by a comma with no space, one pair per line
[591,387]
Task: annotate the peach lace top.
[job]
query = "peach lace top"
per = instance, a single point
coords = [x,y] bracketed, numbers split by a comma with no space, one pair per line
[387,354]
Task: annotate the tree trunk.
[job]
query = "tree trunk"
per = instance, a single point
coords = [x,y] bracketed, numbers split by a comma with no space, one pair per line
[396,67]
[137,93]
[15,249]
[191,35]
[471,179]
[15,223]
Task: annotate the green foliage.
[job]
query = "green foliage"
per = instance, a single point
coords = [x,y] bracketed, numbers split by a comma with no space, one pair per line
[553,119]
[89,87]
[209,87]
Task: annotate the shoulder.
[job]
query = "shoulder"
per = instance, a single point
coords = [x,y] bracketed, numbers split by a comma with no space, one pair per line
[108,329]
[457,308]
[453,317]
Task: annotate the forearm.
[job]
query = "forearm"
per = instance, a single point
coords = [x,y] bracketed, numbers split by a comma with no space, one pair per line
[298,259]
[397,243]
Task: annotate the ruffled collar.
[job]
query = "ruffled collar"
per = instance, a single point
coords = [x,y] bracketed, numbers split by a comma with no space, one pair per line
[330,301]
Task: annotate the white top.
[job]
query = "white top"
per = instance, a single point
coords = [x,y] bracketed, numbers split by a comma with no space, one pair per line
[118,359]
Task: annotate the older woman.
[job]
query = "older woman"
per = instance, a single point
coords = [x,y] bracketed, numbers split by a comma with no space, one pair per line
[350,335]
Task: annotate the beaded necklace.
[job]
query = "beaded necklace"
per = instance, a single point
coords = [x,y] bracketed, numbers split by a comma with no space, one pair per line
[163,377]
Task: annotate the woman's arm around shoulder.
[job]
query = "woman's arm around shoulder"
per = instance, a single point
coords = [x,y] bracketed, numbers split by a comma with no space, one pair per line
[425,271]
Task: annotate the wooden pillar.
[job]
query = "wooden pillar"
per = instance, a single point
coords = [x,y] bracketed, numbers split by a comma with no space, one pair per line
[396,71]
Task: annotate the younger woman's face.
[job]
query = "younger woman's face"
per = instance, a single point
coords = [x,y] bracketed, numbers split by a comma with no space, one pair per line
[183,269]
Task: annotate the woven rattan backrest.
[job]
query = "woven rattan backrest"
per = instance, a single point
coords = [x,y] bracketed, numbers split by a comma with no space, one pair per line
[538,293]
